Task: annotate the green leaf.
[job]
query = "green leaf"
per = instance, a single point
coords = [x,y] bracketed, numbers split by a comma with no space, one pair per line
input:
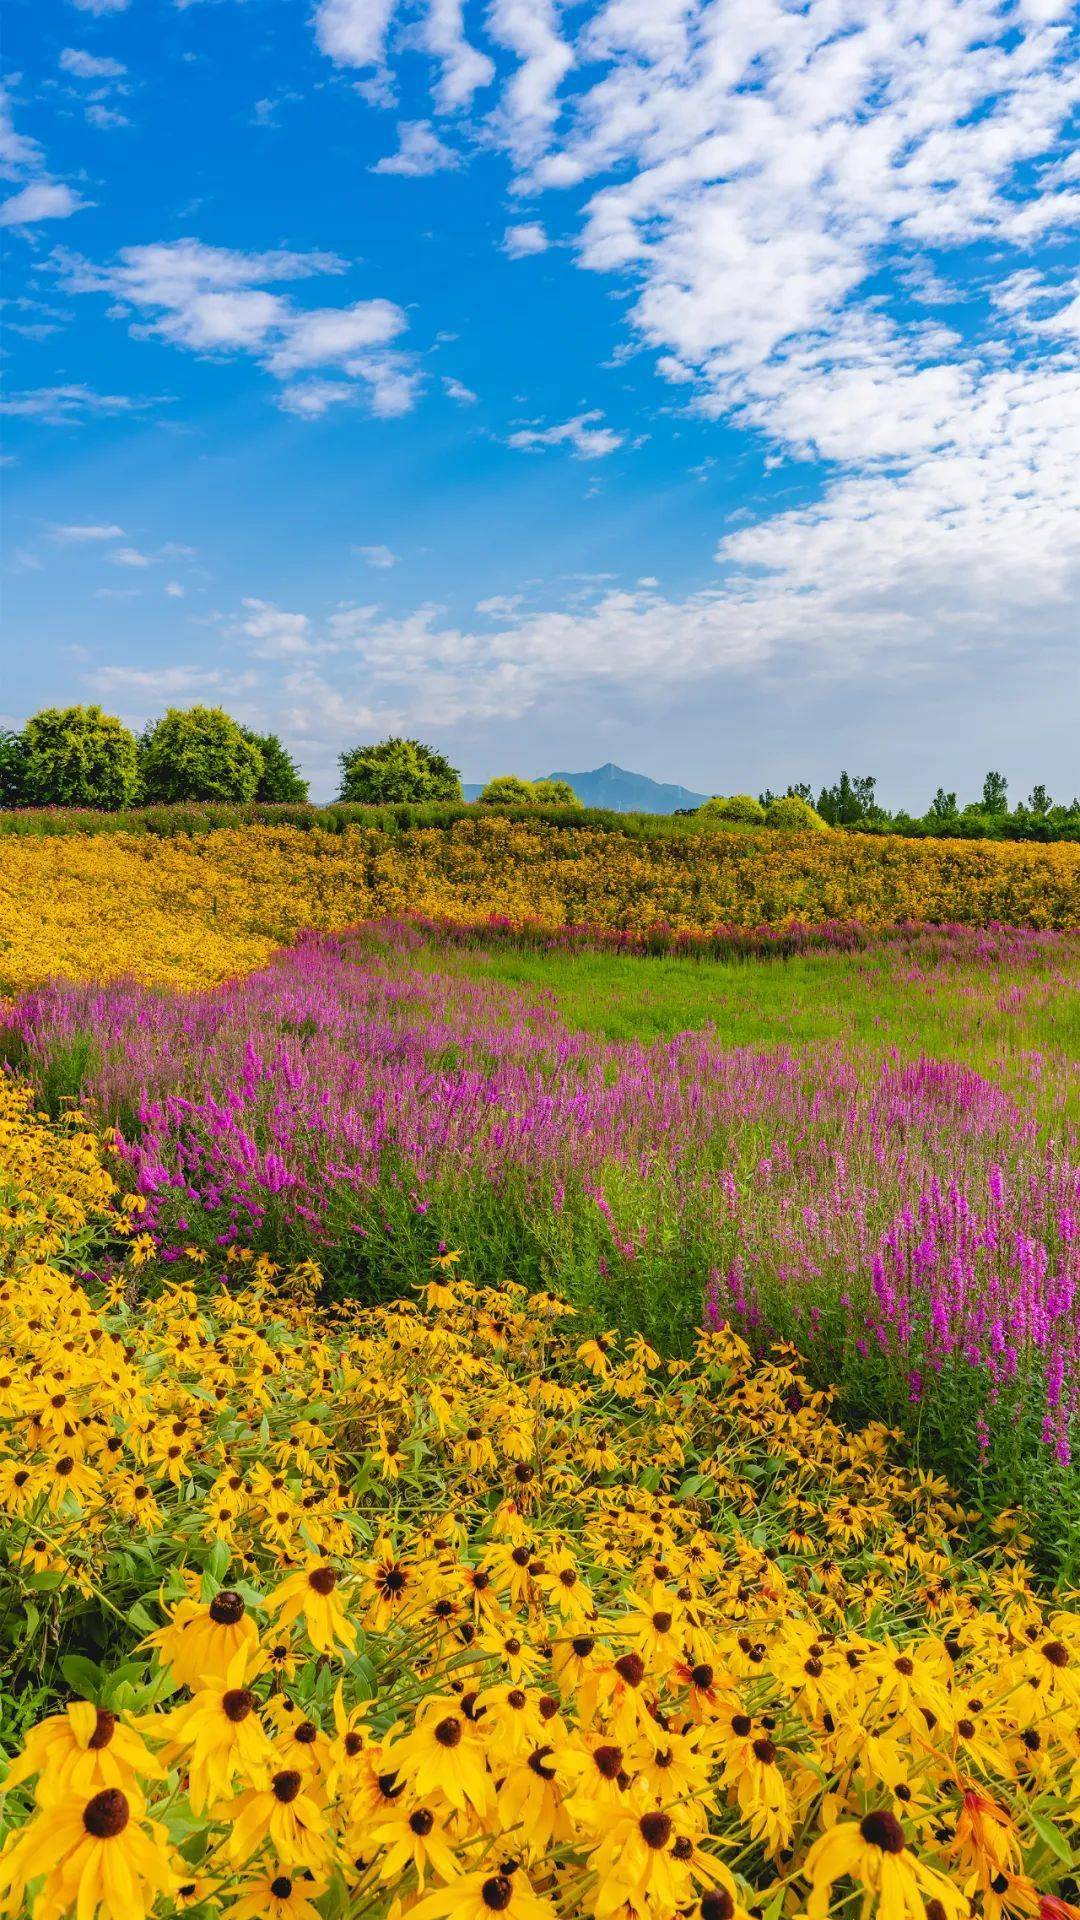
[82,1676]
[1051,1838]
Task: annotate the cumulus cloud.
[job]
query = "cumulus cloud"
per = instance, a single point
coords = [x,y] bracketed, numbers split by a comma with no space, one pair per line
[41,200]
[420,151]
[377,556]
[585,439]
[217,300]
[464,67]
[352,33]
[457,390]
[522,240]
[90,66]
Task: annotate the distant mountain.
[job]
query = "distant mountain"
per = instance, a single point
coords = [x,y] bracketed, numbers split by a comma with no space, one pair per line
[621,791]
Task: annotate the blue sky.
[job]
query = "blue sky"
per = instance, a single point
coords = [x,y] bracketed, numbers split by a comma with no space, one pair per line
[687,383]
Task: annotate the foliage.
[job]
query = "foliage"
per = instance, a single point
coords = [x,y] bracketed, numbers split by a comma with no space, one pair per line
[740,808]
[793,814]
[12,768]
[452,1608]
[72,757]
[995,793]
[554,793]
[850,802]
[199,753]
[280,780]
[397,770]
[507,790]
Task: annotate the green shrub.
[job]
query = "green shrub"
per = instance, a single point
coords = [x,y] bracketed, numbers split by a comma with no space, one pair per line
[397,771]
[508,790]
[78,757]
[199,753]
[792,815]
[739,807]
[280,783]
[554,793]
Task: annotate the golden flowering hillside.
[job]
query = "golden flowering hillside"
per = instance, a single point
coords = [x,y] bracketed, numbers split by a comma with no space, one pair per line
[188,912]
[446,1610]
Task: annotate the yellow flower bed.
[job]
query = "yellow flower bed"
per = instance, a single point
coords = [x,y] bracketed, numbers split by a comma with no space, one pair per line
[188,912]
[445,1610]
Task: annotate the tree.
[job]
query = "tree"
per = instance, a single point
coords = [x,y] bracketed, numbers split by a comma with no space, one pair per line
[199,753]
[280,782]
[793,814]
[554,793]
[850,801]
[995,794]
[12,768]
[942,807]
[78,757]
[1039,802]
[508,790]
[740,808]
[397,771]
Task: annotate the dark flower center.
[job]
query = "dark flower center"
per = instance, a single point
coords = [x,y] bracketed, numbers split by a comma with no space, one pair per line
[281,1887]
[421,1822]
[538,1763]
[702,1676]
[323,1580]
[237,1704]
[103,1731]
[448,1731]
[497,1893]
[608,1762]
[631,1668]
[765,1752]
[226,1608]
[717,1905]
[286,1785]
[1056,1653]
[882,1829]
[107,1814]
[655,1830]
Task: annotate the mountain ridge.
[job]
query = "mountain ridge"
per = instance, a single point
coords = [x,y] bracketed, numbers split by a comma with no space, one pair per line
[620,790]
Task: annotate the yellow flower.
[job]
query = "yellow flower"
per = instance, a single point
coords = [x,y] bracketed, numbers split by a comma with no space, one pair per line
[95,1854]
[476,1896]
[200,1643]
[873,1852]
[80,1750]
[277,1893]
[312,1595]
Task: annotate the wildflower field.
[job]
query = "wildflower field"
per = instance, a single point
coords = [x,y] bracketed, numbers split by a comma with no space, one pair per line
[571,1415]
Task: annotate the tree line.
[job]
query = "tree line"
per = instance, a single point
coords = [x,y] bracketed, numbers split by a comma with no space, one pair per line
[82,757]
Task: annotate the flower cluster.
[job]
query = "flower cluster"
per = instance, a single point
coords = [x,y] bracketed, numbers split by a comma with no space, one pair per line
[451,1609]
[189,911]
[902,1221]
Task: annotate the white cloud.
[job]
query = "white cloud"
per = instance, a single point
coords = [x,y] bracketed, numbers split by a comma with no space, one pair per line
[129,557]
[464,68]
[420,151]
[86,532]
[104,118]
[530,106]
[456,390]
[90,66]
[310,399]
[100,7]
[585,440]
[156,683]
[377,556]
[64,405]
[522,240]
[174,590]
[41,200]
[214,300]
[352,33]
[274,634]
[18,153]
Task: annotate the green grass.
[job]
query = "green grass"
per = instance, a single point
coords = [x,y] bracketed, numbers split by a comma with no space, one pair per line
[1018,1025]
